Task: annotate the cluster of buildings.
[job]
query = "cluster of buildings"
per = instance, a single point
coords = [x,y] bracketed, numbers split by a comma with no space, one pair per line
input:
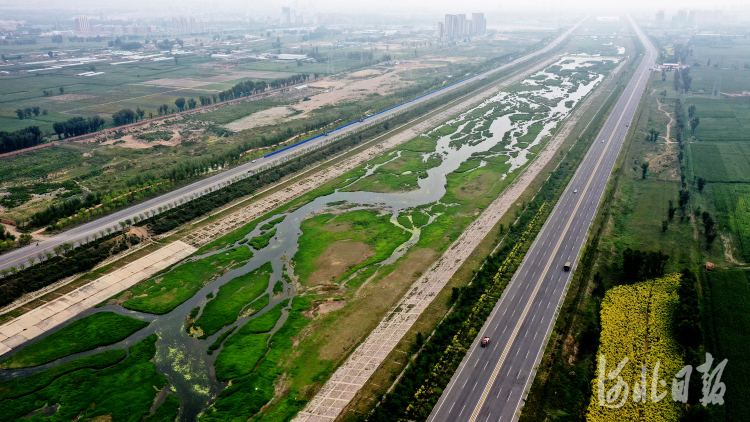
[189,25]
[84,28]
[689,17]
[457,27]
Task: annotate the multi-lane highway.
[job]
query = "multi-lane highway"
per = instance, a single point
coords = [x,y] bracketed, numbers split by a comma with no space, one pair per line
[490,383]
[189,192]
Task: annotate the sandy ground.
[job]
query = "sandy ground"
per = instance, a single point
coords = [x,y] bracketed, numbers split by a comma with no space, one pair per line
[348,89]
[132,141]
[338,259]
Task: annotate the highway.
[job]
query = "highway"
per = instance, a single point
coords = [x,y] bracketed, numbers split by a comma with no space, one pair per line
[193,190]
[491,383]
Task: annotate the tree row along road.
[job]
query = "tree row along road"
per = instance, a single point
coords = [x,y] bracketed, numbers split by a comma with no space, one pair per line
[196,189]
[491,383]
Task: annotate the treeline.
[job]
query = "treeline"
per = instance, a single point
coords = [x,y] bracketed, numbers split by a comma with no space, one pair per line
[20,139]
[682,80]
[77,126]
[27,112]
[54,212]
[50,268]
[245,88]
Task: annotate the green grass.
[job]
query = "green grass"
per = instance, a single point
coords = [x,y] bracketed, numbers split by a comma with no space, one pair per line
[166,292]
[244,349]
[232,298]
[362,226]
[124,391]
[730,299]
[94,331]
[217,343]
[278,287]
[732,202]
[262,241]
[249,393]
[721,161]
[401,174]
[19,387]
[272,223]
[155,136]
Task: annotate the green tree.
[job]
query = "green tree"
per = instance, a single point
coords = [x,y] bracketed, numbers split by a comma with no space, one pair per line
[180,103]
[191,103]
[19,113]
[694,124]
[62,90]
[644,170]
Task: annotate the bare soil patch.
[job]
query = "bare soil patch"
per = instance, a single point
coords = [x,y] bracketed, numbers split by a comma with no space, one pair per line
[71,97]
[322,307]
[273,115]
[357,321]
[176,82]
[132,141]
[338,259]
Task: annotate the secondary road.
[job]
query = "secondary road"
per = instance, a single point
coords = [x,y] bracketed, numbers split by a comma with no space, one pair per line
[491,382]
[192,191]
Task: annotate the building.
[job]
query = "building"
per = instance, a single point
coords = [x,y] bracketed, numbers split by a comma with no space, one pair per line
[286,16]
[82,23]
[660,17]
[440,30]
[457,27]
[478,24]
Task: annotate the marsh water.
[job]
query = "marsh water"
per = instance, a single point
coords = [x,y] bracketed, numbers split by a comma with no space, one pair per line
[184,360]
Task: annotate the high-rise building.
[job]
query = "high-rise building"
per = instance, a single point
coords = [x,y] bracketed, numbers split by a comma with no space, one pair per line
[461,26]
[286,16]
[82,23]
[660,16]
[451,27]
[440,30]
[478,24]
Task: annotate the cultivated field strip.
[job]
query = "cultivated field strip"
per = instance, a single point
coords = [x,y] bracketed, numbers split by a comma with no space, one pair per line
[352,375]
[213,231]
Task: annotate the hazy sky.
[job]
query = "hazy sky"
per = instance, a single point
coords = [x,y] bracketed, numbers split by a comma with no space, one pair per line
[420,7]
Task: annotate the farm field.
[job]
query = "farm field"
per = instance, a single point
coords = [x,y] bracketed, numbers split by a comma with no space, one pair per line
[637,329]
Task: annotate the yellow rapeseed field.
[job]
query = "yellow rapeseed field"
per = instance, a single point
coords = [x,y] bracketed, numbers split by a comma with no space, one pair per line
[636,325]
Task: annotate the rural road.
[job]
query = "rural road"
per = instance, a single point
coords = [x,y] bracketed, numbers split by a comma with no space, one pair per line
[189,192]
[491,383]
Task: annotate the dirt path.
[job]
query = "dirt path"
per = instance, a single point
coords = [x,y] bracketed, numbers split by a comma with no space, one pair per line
[668,136]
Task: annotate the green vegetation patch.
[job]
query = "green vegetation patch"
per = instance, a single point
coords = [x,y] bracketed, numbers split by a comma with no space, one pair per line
[155,136]
[243,350]
[730,305]
[164,293]
[401,174]
[721,161]
[232,298]
[261,242]
[123,392]
[94,331]
[732,200]
[369,227]
[272,223]
[18,387]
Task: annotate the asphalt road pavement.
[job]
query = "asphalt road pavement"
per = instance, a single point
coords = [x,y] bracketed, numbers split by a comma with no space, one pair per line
[491,382]
[189,192]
